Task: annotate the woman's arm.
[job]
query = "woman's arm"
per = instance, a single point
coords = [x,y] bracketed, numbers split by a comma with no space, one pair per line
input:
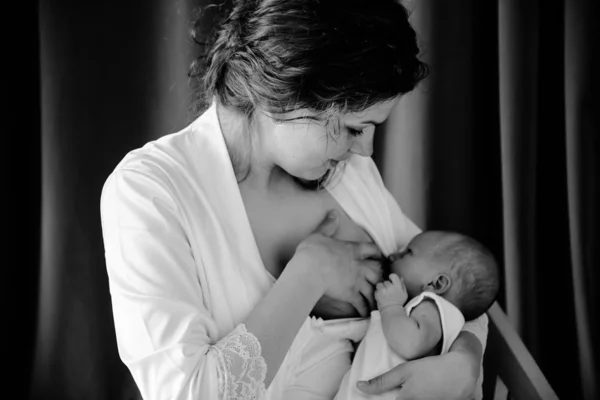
[277,318]
[467,344]
[164,331]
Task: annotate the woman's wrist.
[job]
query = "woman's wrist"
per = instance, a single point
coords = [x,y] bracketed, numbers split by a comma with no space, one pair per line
[302,272]
[278,316]
[466,353]
[469,349]
[467,359]
[466,362]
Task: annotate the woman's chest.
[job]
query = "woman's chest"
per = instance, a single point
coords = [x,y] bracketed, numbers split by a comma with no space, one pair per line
[280,223]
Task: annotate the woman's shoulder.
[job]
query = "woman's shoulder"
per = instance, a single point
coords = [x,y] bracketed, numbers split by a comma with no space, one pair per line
[180,157]
[162,153]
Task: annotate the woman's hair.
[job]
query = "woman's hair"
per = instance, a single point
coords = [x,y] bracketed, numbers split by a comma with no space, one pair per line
[329,56]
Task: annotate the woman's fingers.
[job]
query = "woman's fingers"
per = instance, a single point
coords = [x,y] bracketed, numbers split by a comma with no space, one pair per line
[393,379]
[363,250]
[372,272]
[368,292]
[360,304]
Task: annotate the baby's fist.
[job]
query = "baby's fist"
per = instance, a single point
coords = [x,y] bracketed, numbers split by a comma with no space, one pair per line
[390,293]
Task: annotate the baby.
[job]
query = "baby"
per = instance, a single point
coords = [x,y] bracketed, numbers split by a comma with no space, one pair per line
[448,278]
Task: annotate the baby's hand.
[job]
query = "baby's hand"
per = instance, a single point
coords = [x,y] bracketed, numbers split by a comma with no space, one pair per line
[391,293]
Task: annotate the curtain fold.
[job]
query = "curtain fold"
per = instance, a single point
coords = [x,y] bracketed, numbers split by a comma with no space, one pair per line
[503,147]
[518,43]
[114,77]
[582,129]
[21,196]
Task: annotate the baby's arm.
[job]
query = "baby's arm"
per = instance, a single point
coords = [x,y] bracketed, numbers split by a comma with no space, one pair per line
[411,336]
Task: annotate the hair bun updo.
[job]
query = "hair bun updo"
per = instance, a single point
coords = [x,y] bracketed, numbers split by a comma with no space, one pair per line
[330,56]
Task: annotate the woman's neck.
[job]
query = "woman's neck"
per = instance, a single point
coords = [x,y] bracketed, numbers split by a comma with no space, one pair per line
[252,164]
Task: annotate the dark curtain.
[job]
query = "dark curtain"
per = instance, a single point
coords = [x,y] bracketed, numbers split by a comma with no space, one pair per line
[499,143]
[113,77]
[21,194]
[506,138]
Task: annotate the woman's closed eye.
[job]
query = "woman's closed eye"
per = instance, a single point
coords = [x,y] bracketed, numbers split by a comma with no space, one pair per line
[355,132]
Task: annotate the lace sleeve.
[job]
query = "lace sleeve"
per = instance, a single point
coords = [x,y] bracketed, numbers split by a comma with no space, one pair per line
[241,367]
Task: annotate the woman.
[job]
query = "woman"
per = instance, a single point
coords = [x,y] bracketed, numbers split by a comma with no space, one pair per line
[221,239]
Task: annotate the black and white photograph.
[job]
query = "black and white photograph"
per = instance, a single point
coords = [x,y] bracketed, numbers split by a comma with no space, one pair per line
[302,200]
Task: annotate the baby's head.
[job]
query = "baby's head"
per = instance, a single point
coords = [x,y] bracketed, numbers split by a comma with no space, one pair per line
[451,265]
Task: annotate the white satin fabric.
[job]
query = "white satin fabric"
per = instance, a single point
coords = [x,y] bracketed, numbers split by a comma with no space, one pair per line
[184,271]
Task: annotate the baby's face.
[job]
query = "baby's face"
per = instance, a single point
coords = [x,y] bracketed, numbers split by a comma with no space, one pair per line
[415,264]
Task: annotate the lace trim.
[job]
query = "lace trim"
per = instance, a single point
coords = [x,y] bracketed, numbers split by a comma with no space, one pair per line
[241,369]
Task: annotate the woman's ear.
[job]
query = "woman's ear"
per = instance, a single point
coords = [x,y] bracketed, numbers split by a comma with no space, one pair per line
[440,284]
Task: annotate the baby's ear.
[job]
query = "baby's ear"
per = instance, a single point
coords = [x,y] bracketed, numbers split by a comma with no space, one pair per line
[440,284]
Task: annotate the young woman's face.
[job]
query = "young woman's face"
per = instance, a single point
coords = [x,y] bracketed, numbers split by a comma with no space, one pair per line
[301,145]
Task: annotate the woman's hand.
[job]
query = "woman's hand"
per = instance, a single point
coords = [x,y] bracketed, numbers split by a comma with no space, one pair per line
[451,376]
[347,271]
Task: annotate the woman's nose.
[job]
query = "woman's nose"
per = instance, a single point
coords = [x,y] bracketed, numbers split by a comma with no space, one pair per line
[363,144]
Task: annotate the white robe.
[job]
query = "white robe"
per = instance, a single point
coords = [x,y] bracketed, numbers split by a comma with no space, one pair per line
[184,269]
